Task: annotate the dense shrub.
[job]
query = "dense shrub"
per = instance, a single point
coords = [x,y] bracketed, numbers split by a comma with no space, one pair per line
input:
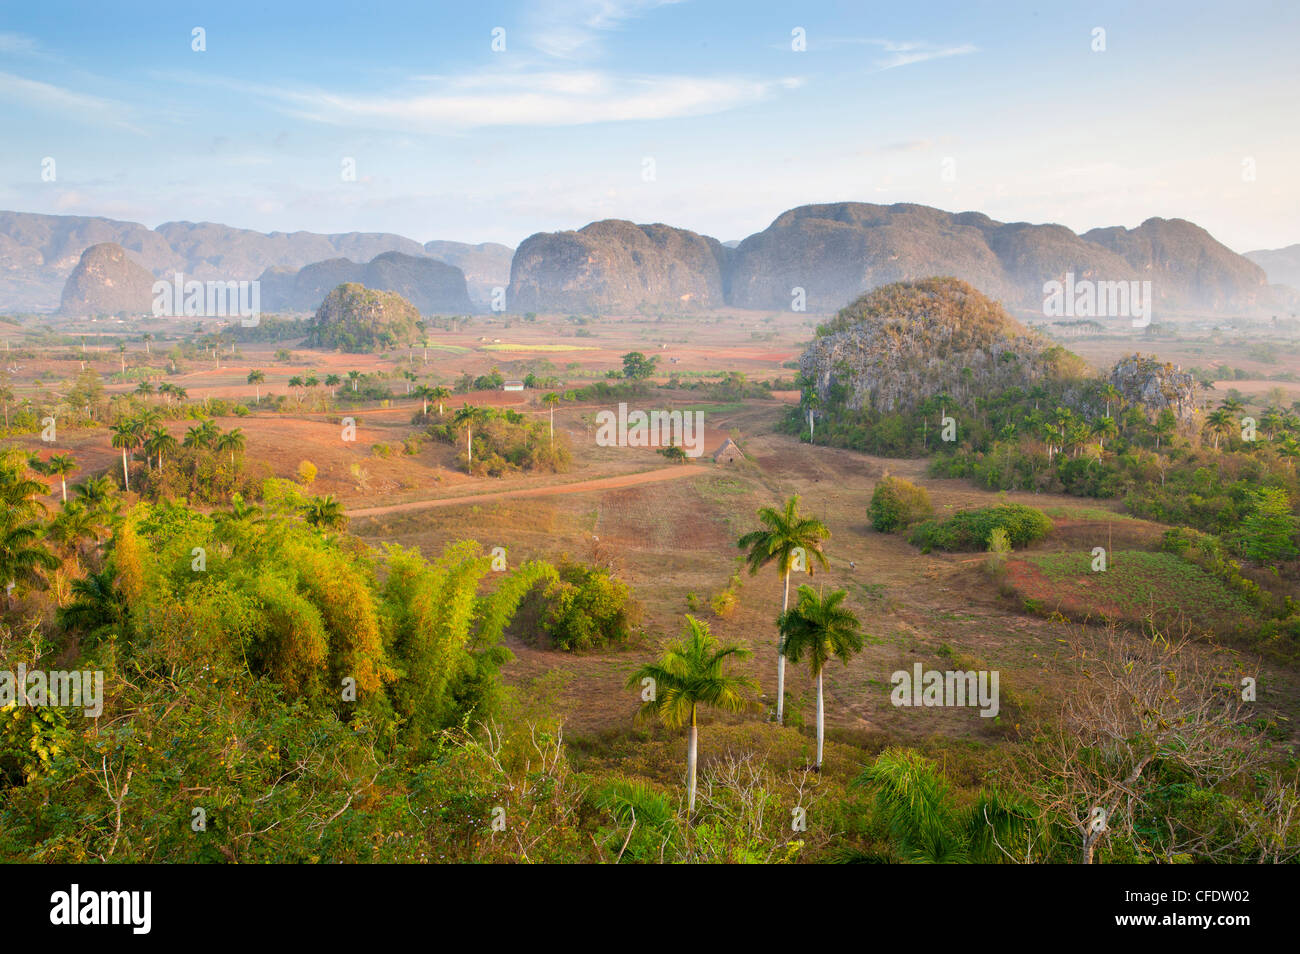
[584,608]
[896,504]
[973,529]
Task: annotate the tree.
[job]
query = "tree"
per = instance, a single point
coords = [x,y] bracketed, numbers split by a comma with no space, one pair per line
[60,465]
[24,557]
[637,367]
[1220,423]
[1105,429]
[233,440]
[332,381]
[1146,710]
[256,378]
[146,338]
[75,524]
[354,377]
[440,394]
[424,393]
[692,673]
[926,824]
[97,605]
[550,400]
[822,629]
[1265,535]
[6,393]
[469,416]
[126,437]
[788,539]
[325,513]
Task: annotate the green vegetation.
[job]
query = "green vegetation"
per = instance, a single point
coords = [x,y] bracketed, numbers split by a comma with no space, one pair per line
[896,504]
[972,530]
[580,608]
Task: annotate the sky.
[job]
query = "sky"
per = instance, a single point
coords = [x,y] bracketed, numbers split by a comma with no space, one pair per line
[486,121]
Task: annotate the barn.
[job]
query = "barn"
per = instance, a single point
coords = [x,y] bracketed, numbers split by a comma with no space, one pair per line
[728,453]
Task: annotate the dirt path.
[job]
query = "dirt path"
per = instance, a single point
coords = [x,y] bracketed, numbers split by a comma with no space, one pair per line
[600,483]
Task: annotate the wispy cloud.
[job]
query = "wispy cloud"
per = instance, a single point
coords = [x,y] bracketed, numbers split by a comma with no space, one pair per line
[905,54]
[896,53]
[91,109]
[574,28]
[18,43]
[525,98]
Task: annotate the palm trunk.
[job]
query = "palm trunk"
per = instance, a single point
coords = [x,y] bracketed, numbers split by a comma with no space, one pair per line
[469,446]
[821,721]
[126,478]
[692,751]
[780,658]
[63,482]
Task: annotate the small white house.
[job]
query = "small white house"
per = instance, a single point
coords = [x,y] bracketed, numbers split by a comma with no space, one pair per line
[514,385]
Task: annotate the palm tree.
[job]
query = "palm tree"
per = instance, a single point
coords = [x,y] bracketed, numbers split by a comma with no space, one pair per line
[201,436]
[926,824]
[60,465]
[1104,429]
[1110,393]
[1221,423]
[469,416]
[121,353]
[550,400]
[233,440]
[24,557]
[786,533]
[296,382]
[332,381]
[424,392]
[692,673]
[76,523]
[97,492]
[813,403]
[125,436]
[256,378]
[6,395]
[822,629]
[440,394]
[97,604]
[146,338]
[354,377]
[160,443]
[325,512]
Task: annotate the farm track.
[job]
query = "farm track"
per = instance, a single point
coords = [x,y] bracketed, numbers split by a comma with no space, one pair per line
[576,487]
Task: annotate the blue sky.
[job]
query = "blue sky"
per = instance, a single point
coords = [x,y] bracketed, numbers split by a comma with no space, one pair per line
[453,140]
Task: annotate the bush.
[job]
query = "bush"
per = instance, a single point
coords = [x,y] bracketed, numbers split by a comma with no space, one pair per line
[969,530]
[585,608]
[897,504]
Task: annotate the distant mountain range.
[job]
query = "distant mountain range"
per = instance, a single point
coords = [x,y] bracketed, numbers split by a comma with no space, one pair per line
[821,255]
[39,252]
[827,255]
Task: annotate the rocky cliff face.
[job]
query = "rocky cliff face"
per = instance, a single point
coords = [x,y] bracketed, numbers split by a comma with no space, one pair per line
[900,344]
[431,286]
[1155,384]
[616,266]
[1187,268]
[107,282]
